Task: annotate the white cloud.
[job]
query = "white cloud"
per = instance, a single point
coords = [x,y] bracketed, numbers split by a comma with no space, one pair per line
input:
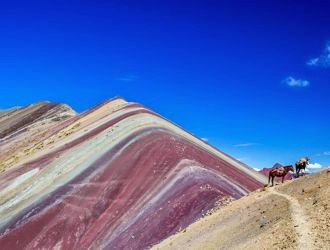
[205,139]
[313,62]
[292,82]
[307,170]
[323,60]
[127,78]
[326,153]
[249,144]
[257,169]
[314,165]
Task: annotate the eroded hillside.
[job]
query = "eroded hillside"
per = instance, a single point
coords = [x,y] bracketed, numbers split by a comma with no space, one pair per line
[294,215]
[117,176]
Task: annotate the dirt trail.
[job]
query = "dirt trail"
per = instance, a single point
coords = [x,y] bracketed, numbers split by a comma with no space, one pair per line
[300,220]
[293,215]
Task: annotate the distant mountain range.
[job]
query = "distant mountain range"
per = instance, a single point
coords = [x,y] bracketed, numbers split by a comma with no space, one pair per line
[117,176]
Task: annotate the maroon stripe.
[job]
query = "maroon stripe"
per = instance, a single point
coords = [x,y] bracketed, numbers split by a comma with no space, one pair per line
[118,186]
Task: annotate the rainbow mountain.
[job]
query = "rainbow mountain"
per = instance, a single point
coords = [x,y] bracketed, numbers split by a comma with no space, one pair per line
[117,176]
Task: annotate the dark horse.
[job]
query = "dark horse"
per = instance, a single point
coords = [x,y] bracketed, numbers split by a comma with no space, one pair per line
[301,164]
[279,172]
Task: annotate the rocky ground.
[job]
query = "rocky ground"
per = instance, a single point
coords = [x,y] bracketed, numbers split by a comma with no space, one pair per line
[293,215]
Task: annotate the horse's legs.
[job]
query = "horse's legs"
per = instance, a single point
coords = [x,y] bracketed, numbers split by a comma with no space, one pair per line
[297,170]
[303,168]
[273,180]
[268,178]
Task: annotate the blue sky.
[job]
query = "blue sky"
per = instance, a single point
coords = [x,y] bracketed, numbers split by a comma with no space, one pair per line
[251,77]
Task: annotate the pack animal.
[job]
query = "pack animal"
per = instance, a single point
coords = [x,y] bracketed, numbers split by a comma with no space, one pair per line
[279,172]
[301,165]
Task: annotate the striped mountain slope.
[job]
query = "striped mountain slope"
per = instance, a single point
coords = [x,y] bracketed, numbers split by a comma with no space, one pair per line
[117,176]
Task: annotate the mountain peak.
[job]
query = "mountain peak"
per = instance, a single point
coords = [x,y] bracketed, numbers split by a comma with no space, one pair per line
[108,170]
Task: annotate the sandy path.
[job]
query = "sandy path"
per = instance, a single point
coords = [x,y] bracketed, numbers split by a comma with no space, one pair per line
[302,226]
[288,216]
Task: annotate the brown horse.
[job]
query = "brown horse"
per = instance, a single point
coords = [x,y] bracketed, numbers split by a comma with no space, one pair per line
[279,172]
[301,165]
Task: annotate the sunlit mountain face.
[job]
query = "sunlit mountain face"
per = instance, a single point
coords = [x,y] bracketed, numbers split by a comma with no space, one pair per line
[115,176]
